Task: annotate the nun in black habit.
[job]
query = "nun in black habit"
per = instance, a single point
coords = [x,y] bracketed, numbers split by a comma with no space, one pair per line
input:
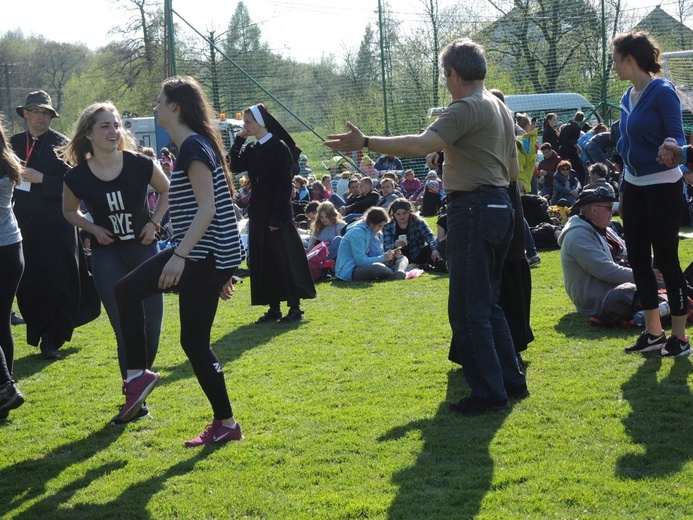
[277,260]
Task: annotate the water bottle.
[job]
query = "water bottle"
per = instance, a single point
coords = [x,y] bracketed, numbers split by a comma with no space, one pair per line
[639,319]
[664,309]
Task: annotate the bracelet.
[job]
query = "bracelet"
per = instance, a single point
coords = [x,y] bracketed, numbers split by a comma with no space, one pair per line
[156,226]
[179,256]
[684,155]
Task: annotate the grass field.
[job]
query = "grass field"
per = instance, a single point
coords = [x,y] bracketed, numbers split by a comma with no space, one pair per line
[345,416]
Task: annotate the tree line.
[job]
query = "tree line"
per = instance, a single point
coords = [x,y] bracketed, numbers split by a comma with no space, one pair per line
[533,46]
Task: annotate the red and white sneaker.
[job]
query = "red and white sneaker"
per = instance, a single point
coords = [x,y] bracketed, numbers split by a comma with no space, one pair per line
[136,391]
[216,433]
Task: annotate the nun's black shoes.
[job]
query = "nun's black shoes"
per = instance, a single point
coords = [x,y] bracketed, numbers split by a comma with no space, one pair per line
[293,316]
[271,316]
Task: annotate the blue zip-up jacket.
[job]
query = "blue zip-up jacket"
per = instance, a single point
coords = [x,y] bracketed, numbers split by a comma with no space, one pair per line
[656,116]
[359,246]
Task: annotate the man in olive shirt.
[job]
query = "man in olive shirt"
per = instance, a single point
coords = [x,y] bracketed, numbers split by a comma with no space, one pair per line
[477,136]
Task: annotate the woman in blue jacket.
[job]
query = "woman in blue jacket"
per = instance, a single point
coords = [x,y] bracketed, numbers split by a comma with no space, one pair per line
[652,193]
[361,256]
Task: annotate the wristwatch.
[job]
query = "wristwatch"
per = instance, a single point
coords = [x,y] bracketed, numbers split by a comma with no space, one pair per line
[365,144]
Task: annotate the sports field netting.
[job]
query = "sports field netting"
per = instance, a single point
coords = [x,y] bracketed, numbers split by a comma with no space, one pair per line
[554,49]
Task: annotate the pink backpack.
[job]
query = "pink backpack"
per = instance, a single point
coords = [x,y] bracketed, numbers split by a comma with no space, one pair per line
[317,261]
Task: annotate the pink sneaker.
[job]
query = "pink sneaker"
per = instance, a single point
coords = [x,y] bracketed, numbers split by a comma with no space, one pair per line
[136,391]
[216,433]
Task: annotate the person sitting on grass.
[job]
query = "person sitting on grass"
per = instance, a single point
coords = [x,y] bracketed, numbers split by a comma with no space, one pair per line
[410,184]
[361,256]
[327,226]
[319,192]
[359,204]
[387,192]
[597,277]
[305,220]
[412,234]
[565,184]
[301,193]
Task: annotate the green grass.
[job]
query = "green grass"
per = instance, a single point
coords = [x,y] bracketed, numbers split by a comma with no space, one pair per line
[345,416]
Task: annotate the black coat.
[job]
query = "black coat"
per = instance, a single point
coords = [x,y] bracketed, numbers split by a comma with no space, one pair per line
[49,292]
[277,259]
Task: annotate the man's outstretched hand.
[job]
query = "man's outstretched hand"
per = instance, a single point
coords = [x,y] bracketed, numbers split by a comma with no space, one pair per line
[352,140]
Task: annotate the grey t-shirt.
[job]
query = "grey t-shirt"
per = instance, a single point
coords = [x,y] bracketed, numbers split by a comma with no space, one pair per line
[9,230]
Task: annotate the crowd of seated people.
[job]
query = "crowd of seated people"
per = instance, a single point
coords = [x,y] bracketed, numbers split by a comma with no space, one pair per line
[410,233]
[330,216]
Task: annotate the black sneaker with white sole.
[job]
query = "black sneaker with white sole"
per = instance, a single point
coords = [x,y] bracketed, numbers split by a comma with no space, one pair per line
[647,343]
[676,347]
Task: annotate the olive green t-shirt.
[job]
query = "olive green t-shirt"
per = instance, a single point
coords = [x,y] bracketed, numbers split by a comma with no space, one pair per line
[480,136]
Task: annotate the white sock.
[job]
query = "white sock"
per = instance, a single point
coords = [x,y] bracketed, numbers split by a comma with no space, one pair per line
[134,376]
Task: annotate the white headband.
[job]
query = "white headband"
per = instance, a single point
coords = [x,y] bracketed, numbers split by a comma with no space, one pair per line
[257,115]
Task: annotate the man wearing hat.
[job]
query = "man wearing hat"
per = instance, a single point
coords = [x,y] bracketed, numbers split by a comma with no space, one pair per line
[304,170]
[48,294]
[597,277]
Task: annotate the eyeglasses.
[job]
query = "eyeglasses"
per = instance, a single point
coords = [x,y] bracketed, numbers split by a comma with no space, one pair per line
[565,169]
[38,112]
[610,208]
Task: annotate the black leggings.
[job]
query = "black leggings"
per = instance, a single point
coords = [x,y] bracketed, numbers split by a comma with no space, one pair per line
[198,297]
[11,269]
[651,221]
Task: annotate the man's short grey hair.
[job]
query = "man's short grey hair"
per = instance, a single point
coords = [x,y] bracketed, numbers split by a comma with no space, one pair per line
[464,57]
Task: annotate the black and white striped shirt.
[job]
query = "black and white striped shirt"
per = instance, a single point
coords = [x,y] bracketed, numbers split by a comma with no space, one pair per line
[221,237]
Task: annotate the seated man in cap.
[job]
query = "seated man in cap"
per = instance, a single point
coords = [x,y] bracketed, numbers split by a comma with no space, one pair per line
[593,257]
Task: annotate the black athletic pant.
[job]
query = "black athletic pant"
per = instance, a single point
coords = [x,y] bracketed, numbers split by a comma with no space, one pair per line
[198,297]
[11,269]
[651,221]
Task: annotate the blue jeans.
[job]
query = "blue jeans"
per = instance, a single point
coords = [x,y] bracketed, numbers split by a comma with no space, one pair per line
[480,227]
[530,247]
[108,265]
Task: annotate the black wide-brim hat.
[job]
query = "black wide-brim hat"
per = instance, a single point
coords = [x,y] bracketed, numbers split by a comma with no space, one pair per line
[595,192]
[37,99]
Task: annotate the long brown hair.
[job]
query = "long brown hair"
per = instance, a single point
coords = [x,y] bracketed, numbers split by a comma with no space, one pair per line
[80,148]
[328,209]
[197,114]
[10,164]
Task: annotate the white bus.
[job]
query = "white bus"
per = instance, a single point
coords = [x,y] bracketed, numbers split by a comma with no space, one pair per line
[149,134]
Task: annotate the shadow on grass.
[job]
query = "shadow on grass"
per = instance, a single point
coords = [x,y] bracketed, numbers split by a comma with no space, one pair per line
[26,481]
[576,325]
[33,363]
[341,284]
[660,421]
[454,470]
[131,503]
[230,347]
